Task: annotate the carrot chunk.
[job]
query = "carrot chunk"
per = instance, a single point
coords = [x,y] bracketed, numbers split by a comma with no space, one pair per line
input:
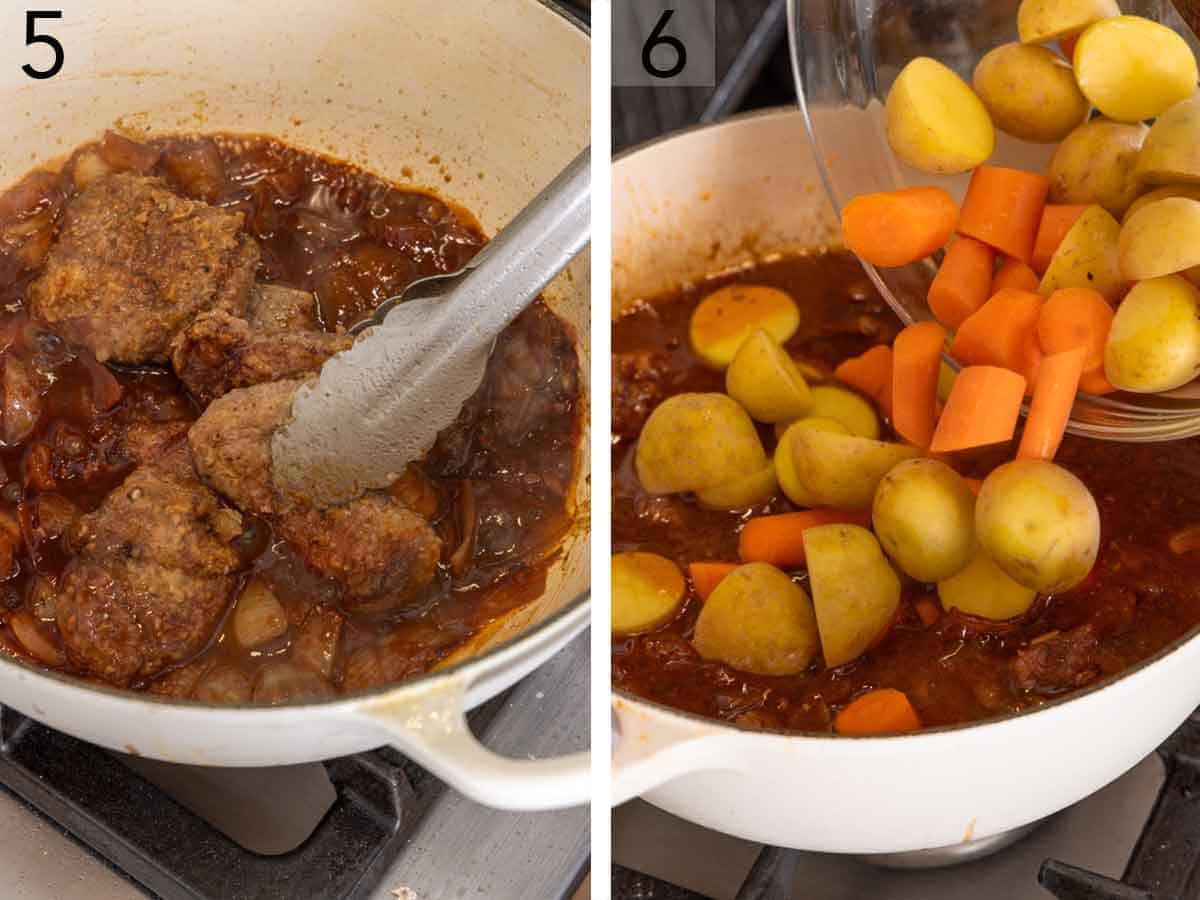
[896,228]
[917,361]
[1002,333]
[882,711]
[1076,317]
[1095,383]
[963,281]
[779,540]
[1016,275]
[982,409]
[1056,221]
[1051,405]
[1003,208]
[707,575]
[870,373]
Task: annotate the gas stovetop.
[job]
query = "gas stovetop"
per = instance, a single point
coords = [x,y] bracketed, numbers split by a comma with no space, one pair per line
[368,826]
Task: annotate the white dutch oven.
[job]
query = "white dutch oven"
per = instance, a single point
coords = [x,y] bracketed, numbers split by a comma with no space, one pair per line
[720,197]
[484,101]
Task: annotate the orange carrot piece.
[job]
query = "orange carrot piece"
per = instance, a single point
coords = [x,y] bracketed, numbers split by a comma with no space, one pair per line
[983,409]
[896,228]
[975,484]
[1056,222]
[779,540]
[1095,383]
[869,373]
[1076,317]
[1016,275]
[927,610]
[916,363]
[963,281]
[1051,405]
[882,711]
[1002,333]
[707,575]
[1003,208]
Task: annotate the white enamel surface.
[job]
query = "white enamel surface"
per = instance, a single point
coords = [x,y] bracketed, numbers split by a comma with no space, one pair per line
[482,101]
[860,795]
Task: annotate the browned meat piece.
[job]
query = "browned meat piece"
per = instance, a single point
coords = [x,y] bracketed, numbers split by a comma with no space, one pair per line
[161,444]
[218,352]
[124,620]
[153,515]
[274,307]
[374,546]
[134,263]
[1060,663]
[637,389]
[377,548]
[231,443]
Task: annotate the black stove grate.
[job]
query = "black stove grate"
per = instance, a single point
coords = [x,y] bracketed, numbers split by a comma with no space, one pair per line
[177,855]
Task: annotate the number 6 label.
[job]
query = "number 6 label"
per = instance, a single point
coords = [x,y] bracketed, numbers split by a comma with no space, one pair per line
[664,43]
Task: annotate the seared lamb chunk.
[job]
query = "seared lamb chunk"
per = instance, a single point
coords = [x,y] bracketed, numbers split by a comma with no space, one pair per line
[376,547]
[274,307]
[133,263]
[161,444]
[1058,663]
[124,620]
[638,387]
[218,352]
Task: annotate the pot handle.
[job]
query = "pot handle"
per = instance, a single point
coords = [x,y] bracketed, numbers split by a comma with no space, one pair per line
[434,733]
[645,759]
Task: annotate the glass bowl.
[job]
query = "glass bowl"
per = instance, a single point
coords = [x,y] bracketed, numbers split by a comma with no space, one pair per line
[845,56]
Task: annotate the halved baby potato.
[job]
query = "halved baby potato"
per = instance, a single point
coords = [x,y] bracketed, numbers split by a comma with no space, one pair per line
[1132,68]
[1171,152]
[858,415]
[935,122]
[765,380]
[742,493]
[924,516]
[758,620]
[843,471]
[697,441]
[1161,238]
[982,589]
[1191,191]
[647,590]
[1096,163]
[1030,93]
[855,591]
[1088,257]
[1154,342]
[1042,21]
[729,315]
[785,466]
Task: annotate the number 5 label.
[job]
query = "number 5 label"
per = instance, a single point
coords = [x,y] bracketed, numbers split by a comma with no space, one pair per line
[667,43]
[33,37]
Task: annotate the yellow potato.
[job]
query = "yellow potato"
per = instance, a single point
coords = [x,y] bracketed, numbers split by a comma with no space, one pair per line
[1191,191]
[1088,257]
[1171,152]
[924,516]
[726,317]
[1096,163]
[647,591]
[696,441]
[982,589]
[1042,21]
[785,466]
[843,471]
[1030,93]
[1154,342]
[758,620]
[742,493]
[935,122]
[855,591]
[1132,68]
[1039,523]
[847,407]
[763,378]
[1162,238]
